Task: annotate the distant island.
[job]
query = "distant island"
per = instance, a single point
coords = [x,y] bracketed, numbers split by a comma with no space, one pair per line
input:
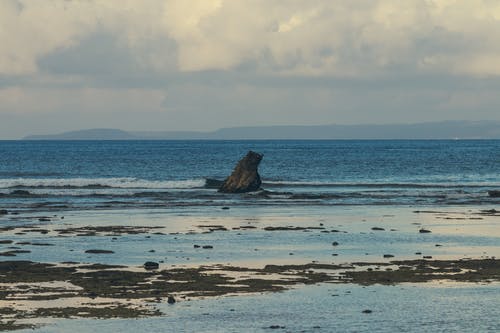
[430,130]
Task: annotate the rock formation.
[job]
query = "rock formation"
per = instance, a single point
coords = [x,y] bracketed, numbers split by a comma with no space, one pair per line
[244,177]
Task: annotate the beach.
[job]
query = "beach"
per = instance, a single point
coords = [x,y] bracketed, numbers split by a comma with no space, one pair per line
[315,252]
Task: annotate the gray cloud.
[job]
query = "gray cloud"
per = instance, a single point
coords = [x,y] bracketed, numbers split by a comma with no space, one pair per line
[204,64]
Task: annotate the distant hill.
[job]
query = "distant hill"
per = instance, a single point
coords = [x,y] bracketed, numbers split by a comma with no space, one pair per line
[431,130]
[88,134]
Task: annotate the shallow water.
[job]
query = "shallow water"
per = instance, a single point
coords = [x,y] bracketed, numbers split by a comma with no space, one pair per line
[323,308]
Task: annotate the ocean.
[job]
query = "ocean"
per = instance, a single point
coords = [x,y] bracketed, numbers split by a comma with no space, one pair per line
[144,174]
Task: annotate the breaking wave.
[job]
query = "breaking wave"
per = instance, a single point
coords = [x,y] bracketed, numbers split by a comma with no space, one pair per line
[100,183]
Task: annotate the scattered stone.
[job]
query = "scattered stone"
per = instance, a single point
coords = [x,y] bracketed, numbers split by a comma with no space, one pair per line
[170,300]
[245,177]
[388,256]
[213,183]
[207,247]
[427,257]
[424,231]
[494,194]
[151,265]
[97,251]
[196,246]
[20,193]
[378,229]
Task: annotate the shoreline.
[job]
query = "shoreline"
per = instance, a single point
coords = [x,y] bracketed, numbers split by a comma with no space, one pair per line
[90,264]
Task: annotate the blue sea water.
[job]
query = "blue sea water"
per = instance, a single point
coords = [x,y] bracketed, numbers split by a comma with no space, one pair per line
[107,174]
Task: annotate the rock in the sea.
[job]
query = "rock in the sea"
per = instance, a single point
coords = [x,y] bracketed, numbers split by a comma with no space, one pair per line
[151,265]
[3,212]
[245,177]
[20,193]
[170,300]
[98,251]
[213,183]
[424,231]
[494,194]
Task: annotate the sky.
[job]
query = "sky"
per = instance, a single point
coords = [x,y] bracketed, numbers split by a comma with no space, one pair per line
[206,64]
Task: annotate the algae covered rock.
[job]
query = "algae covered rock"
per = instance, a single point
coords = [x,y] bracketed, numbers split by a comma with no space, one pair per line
[245,177]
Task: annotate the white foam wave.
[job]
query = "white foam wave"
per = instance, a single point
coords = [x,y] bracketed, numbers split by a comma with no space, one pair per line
[101,182]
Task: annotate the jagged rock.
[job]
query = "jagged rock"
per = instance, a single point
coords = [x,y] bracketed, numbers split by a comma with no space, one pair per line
[245,177]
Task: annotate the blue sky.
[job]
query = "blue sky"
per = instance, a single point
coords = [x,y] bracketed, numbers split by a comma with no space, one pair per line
[206,64]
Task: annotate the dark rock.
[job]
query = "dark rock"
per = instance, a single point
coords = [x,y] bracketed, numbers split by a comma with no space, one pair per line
[20,193]
[151,265]
[244,177]
[367,311]
[378,229]
[44,219]
[170,300]
[213,183]
[388,256]
[427,257]
[225,208]
[96,251]
[5,241]
[276,327]
[494,194]
[335,243]
[208,247]
[3,212]
[196,246]
[424,231]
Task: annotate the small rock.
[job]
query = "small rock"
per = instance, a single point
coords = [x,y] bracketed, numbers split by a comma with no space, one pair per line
[388,256]
[424,231]
[494,194]
[427,257]
[20,193]
[276,327]
[97,251]
[196,246]
[3,212]
[225,208]
[367,311]
[152,251]
[208,247]
[438,245]
[44,219]
[418,253]
[335,243]
[170,300]
[151,265]
[378,229]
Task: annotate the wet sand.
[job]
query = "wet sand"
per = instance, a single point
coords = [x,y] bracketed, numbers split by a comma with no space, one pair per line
[90,264]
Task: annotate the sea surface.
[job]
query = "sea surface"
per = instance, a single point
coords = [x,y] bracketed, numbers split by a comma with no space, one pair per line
[76,175]
[341,190]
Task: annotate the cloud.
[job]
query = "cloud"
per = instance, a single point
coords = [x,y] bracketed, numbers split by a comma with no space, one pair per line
[316,38]
[204,64]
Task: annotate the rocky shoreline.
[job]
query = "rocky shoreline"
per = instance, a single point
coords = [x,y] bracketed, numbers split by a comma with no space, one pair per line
[114,291]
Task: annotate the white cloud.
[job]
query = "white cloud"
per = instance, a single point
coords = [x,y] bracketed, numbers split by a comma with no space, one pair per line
[343,38]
